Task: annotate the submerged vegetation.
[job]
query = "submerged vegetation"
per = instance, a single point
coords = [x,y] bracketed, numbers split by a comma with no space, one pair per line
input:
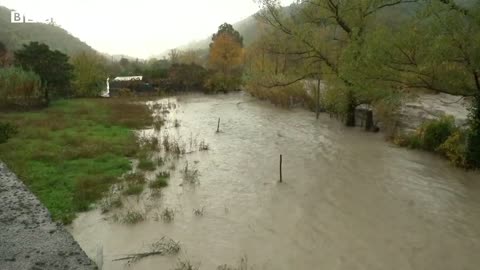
[133,217]
[161,180]
[167,215]
[190,175]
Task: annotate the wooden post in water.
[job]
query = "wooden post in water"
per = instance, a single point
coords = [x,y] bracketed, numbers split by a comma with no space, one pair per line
[218,125]
[317,107]
[281,180]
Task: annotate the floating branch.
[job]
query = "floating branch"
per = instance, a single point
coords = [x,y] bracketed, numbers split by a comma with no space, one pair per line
[164,246]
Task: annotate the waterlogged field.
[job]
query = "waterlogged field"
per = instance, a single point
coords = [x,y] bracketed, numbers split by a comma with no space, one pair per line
[72,152]
[198,198]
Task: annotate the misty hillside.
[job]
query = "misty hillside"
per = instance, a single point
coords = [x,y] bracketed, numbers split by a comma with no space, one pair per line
[246,27]
[14,35]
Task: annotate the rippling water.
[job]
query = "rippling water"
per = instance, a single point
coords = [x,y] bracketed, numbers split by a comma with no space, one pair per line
[349,199]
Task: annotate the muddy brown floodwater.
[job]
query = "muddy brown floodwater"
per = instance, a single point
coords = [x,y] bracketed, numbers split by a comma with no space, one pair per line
[349,199]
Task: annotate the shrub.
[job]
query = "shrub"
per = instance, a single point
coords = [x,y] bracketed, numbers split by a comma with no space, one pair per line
[434,133]
[473,145]
[454,148]
[125,92]
[89,74]
[430,135]
[412,141]
[7,131]
[19,88]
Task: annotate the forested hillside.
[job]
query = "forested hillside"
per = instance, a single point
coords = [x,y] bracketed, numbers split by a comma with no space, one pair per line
[14,35]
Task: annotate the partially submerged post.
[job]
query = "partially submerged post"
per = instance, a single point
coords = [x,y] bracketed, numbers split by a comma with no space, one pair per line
[218,125]
[281,180]
[317,107]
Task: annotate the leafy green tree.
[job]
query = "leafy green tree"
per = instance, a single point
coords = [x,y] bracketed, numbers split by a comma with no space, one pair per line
[124,62]
[186,77]
[156,69]
[3,53]
[436,50]
[328,36]
[52,66]
[89,74]
[19,88]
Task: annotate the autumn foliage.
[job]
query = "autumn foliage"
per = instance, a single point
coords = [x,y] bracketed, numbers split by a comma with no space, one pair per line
[225,61]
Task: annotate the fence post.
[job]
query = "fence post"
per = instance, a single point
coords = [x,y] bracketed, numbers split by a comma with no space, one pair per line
[281,180]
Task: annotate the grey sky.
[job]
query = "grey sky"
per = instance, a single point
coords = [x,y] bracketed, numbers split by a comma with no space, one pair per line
[139,28]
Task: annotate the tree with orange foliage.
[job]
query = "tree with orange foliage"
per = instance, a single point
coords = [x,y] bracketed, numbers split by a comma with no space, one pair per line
[225,60]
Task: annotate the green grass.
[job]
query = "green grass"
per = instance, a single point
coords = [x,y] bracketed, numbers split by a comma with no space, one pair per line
[72,152]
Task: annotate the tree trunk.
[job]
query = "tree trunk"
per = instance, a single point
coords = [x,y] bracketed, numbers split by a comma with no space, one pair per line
[351,106]
[369,121]
[47,97]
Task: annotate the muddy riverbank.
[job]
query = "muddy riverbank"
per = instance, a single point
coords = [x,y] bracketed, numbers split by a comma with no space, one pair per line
[29,239]
[349,200]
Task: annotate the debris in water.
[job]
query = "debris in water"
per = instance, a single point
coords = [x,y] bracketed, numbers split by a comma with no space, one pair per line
[164,246]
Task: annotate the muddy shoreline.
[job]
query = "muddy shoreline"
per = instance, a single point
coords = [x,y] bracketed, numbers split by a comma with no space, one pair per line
[29,239]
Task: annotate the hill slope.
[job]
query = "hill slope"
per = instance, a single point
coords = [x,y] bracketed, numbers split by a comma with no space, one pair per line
[14,35]
[246,27]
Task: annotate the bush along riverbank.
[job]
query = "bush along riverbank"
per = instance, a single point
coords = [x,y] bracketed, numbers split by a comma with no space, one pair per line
[458,144]
[70,153]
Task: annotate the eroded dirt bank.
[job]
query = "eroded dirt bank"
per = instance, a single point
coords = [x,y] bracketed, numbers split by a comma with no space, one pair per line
[29,239]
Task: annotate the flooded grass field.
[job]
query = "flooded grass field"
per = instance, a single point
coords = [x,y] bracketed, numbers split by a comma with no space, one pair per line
[349,200]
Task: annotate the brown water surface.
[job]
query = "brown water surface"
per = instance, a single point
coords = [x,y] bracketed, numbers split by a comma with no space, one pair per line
[349,199]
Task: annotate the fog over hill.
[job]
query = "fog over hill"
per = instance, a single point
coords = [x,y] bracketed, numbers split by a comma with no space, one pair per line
[13,35]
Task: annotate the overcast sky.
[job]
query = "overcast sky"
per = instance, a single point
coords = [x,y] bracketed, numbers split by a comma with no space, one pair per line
[139,28]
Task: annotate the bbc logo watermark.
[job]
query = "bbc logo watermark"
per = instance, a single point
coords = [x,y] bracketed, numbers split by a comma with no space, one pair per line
[19,17]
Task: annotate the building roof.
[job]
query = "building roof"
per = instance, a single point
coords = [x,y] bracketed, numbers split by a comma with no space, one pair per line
[129,78]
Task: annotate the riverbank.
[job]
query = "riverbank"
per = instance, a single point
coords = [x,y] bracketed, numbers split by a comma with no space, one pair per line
[70,153]
[29,238]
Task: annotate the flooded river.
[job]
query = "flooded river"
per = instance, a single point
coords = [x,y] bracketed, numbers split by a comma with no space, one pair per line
[349,199]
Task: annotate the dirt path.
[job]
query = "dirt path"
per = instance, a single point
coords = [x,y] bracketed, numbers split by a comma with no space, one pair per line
[29,239]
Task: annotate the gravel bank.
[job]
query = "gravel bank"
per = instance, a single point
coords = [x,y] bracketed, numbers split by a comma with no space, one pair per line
[29,239]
